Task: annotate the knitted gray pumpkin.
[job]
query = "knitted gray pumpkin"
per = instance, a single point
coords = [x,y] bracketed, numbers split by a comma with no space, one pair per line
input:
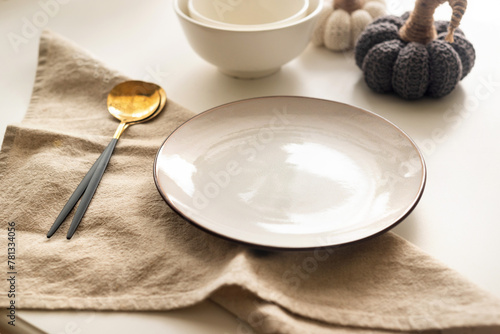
[414,56]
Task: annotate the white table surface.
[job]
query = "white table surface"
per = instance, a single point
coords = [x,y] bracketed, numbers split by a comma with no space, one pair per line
[457,220]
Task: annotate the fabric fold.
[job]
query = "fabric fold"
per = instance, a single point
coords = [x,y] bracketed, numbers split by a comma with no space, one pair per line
[132,252]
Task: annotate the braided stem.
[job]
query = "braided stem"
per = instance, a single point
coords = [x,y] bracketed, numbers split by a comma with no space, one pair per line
[459,7]
[420,25]
[348,5]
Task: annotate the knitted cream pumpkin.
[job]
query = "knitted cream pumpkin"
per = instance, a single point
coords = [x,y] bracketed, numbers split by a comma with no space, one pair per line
[342,21]
[414,56]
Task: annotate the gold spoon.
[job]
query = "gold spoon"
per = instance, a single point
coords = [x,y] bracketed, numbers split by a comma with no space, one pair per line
[131,102]
[163,102]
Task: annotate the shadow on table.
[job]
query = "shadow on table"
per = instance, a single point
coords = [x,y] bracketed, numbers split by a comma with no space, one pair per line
[216,88]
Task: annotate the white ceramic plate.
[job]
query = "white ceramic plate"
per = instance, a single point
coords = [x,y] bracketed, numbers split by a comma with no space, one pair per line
[290,172]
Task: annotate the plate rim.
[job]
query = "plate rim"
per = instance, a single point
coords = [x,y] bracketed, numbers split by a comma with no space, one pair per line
[409,210]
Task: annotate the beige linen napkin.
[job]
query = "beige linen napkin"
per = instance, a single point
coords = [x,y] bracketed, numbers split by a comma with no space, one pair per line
[132,252]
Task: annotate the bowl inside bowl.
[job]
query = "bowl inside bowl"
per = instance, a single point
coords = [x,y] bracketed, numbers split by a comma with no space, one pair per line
[252,53]
[239,14]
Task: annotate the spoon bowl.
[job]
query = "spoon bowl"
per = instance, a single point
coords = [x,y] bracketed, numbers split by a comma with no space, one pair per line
[132,101]
[163,102]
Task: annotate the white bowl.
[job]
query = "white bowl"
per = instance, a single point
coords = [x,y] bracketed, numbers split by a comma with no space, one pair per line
[247,14]
[253,53]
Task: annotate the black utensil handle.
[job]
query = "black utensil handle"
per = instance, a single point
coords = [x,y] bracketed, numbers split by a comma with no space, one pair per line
[80,189]
[91,188]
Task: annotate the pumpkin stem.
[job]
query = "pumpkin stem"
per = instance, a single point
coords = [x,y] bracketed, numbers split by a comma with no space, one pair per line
[348,5]
[420,25]
[459,7]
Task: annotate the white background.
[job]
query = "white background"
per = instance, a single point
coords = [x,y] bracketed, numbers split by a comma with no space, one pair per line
[457,220]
